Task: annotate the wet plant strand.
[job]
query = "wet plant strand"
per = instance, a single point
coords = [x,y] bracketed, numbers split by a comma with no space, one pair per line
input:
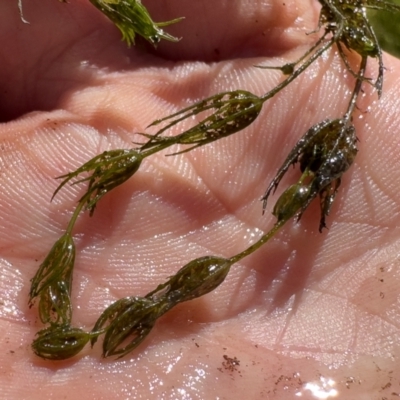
[325,152]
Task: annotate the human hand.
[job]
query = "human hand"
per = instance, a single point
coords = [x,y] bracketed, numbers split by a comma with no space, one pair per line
[304,308]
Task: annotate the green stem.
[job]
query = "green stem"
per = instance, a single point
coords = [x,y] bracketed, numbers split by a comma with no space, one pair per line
[300,70]
[357,89]
[157,148]
[76,213]
[264,239]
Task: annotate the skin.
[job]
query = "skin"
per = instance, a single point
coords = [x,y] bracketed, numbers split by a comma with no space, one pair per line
[305,309]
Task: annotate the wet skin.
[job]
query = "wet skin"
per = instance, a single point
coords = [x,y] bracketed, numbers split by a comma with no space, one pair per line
[306,307]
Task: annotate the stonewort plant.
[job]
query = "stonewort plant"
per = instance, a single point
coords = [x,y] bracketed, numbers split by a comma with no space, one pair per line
[324,153]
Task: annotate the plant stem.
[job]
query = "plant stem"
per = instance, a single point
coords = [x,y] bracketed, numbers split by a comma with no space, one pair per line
[264,239]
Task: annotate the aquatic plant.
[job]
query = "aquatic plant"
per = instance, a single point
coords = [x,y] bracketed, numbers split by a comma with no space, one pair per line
[324,153]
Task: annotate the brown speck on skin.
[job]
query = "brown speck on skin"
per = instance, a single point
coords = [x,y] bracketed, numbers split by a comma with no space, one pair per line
[349,381]
[230,364]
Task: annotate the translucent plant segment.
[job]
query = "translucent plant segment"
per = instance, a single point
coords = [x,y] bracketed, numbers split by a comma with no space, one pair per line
[323,154]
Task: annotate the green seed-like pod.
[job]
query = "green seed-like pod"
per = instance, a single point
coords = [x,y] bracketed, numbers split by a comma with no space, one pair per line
[195,279]
[53,281]
[237,112]
[132,317]
[59,342]
[291,202]
[234,111]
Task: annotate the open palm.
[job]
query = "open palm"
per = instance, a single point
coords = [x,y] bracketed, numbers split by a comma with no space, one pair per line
[307,312]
